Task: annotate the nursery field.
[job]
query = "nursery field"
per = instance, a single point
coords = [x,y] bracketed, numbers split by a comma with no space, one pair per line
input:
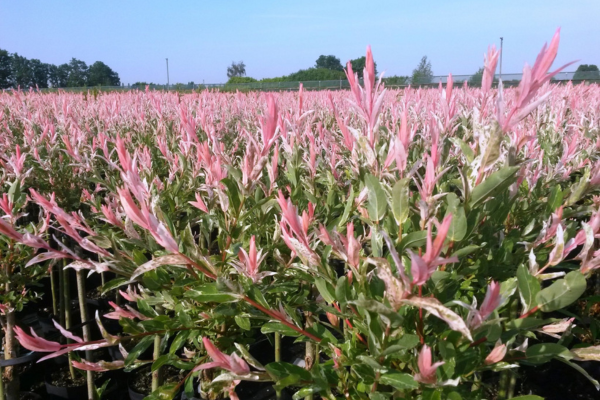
[362,244]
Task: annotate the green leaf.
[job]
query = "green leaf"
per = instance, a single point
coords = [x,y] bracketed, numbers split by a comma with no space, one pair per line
[408,341]
[413,239]
[377,204]
[209,293]
[342,290]
[347,208]
[555,198]
[280,370]
[243,322]
[380,309]
[399,381]
[562,292]
[258,296]
[325,289]
[233,192]
[113,284]
[139,349]
[320,331]
[529,287]
[160,361]
[543,352]
[271,327]
[465,251]
[466,150]
[179,341]
[526,323]
[400,199]
[304,392]
[376,243]
[146,309]
[458,227]
[494,184]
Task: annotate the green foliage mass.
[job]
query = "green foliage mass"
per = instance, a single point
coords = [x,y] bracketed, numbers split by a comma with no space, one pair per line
[18,71]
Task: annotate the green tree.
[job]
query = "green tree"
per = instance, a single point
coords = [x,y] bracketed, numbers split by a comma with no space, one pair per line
[316,74]
[39,73]
[423,72]
[58,75]
[102,75]
[396,80]
[21,71]
[78,73]
[236,69]
[587,72]
[358,65]
[241,79]
[5,70]
[329,62]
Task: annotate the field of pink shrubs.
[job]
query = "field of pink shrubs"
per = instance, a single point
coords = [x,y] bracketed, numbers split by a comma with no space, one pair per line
[372,243]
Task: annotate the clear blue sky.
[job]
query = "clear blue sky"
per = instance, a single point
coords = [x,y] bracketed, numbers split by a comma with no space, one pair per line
[274,38]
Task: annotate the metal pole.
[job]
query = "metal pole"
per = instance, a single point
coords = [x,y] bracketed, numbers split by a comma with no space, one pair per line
[167,73]
[501,43]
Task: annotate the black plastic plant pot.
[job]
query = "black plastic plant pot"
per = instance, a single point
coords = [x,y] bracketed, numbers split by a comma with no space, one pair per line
[114,353]
[45,321]
[133,395]
[98,304]
[260,391]
[23,359]
[184,397]
[30,396]
[74,393]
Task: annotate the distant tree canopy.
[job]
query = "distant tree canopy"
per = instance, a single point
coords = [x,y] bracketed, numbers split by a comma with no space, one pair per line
[585,72]
[236,69]
[101,74]
[5,70]
[316,74]
[329,62]
[142,85]
[240,79]
[396,80]
[16,70]
[423,72]
[476,79]
[358,65]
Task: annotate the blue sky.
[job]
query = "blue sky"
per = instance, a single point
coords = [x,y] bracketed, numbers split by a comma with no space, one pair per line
[275,38]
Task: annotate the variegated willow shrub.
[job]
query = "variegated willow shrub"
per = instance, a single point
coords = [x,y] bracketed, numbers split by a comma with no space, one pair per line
[417,241]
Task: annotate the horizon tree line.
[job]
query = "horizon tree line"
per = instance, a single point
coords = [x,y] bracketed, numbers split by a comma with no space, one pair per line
[18,71]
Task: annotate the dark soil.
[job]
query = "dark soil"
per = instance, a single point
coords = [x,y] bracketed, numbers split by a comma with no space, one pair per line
[29,396]
[62,378]
[96,294]
[141,380]
[558,381]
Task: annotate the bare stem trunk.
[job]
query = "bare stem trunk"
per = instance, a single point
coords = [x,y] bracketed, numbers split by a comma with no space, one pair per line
[10,345]
[277,358]
[309,354]
[10,351]
[156,375]
[53,289]
[86,330]
[67,312]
